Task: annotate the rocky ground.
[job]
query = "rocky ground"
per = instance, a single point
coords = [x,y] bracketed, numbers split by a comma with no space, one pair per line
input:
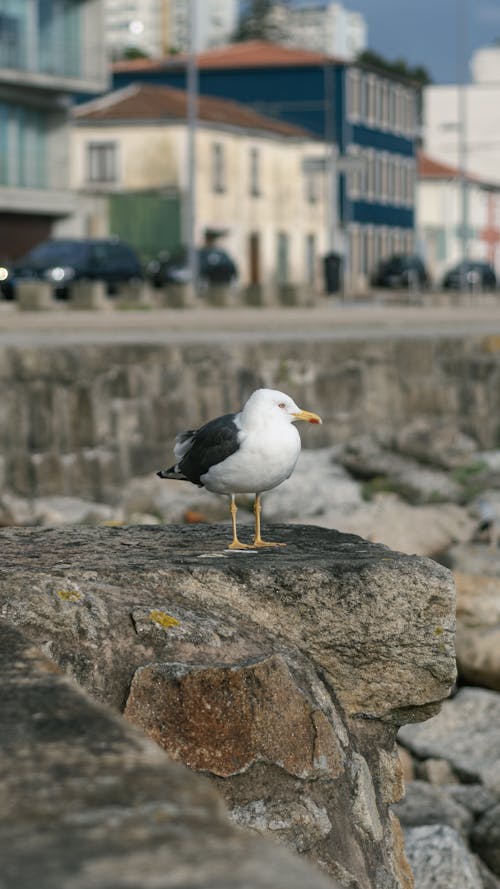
[424,490]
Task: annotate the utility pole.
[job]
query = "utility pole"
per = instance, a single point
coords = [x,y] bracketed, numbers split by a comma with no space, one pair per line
[462,71]
[192,120]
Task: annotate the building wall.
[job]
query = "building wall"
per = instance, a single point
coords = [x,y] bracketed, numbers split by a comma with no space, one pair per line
[158,26]
[328,28]
[282,205]
[440,224]
[46,51]
[482,137]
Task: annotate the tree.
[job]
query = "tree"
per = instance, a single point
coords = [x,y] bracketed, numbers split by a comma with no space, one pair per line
[262,20]
[418,73]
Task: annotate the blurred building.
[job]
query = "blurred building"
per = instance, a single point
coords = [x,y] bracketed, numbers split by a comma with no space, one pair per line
[440,217]
[255,194]
[48,50]
[366,117]
[157,27]
[325,27]
[449,135]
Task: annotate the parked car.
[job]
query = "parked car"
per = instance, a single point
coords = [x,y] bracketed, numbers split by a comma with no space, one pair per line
[63,260]
[401,270]
[471,274]
[215,266]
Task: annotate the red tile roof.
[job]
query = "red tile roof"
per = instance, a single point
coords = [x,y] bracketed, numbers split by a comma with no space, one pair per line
[163,103]
[428,168]
[250,54]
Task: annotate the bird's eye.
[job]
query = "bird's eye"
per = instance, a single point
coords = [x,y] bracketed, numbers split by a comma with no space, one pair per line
[282,405]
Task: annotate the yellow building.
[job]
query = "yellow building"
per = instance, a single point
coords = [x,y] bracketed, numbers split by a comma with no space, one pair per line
[261,184]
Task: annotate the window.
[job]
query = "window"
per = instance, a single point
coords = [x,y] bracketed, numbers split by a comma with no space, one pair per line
[218,168]
[282,258]
[310,259]
[23,147]
[354,94]
[41,35]
[102,162]
[312,186]
[255,189]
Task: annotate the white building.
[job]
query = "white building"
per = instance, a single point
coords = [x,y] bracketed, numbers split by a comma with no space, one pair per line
[440,214]
[481,121]
[326,27]
[156,27]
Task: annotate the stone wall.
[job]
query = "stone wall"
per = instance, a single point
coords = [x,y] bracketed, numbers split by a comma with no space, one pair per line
[81,420]
[283,676]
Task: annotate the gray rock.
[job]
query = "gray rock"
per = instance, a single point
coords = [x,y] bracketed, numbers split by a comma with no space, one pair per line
[486,838]
[282,674]
[317,486]
[440,859]
[436,442]
[431,804]
[466,733]
[366,459]
[87,801]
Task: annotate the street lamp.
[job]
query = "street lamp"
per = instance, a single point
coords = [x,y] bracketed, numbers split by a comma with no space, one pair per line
[192,119]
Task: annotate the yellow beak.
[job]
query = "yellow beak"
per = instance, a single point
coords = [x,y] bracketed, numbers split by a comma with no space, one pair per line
[308,416]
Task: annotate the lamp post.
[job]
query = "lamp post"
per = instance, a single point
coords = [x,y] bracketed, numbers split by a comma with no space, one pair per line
[462,11]
[192,119]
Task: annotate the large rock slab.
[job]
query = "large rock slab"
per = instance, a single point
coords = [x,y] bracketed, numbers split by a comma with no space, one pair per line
[282,674]
[379,624]
[88,802]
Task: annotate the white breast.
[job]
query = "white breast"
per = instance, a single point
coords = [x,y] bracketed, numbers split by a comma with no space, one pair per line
[265,458]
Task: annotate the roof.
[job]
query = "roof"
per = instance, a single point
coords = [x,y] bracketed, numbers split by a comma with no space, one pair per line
[430,168]
[147,102]
[249,54]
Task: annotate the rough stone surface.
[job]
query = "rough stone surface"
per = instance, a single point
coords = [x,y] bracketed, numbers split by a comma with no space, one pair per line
[440,859]
[486,838]
[478,629]
[281,674]
[466,733]
[90,803]
[430,804]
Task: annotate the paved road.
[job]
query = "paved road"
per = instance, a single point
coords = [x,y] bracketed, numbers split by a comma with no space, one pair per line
[331,321]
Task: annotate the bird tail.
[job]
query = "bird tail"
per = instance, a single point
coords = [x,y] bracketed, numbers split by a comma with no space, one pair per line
[173,472]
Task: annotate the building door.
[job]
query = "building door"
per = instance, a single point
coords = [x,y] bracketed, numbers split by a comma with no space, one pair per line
[254,257]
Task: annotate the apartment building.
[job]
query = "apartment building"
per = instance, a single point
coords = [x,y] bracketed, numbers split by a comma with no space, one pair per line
[157,27]
[366,117]
[49,49]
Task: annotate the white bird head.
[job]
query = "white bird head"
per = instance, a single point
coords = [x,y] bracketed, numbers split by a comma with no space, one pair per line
[271,404]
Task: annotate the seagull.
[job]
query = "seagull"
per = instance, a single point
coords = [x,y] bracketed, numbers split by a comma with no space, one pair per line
[249,452]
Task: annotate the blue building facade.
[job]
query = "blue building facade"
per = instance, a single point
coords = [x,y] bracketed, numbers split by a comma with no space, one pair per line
[367,118]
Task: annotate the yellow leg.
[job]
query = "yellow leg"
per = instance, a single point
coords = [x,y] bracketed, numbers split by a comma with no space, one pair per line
[257,508]
[236,543]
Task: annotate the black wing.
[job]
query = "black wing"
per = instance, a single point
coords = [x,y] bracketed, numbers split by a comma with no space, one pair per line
[212,443]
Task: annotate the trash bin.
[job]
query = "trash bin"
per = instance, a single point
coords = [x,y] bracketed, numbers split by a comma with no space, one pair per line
[332,265]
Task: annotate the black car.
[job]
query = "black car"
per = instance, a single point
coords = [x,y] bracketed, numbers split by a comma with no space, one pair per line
[215,266]
[401,270]
[61,261]
[471,274]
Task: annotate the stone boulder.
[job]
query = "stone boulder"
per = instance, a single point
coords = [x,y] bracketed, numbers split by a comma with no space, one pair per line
[425,530]
[478,629]
[366,459]
[282,675]
[440,859]
[87,801]
[466,733]
[438,443]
